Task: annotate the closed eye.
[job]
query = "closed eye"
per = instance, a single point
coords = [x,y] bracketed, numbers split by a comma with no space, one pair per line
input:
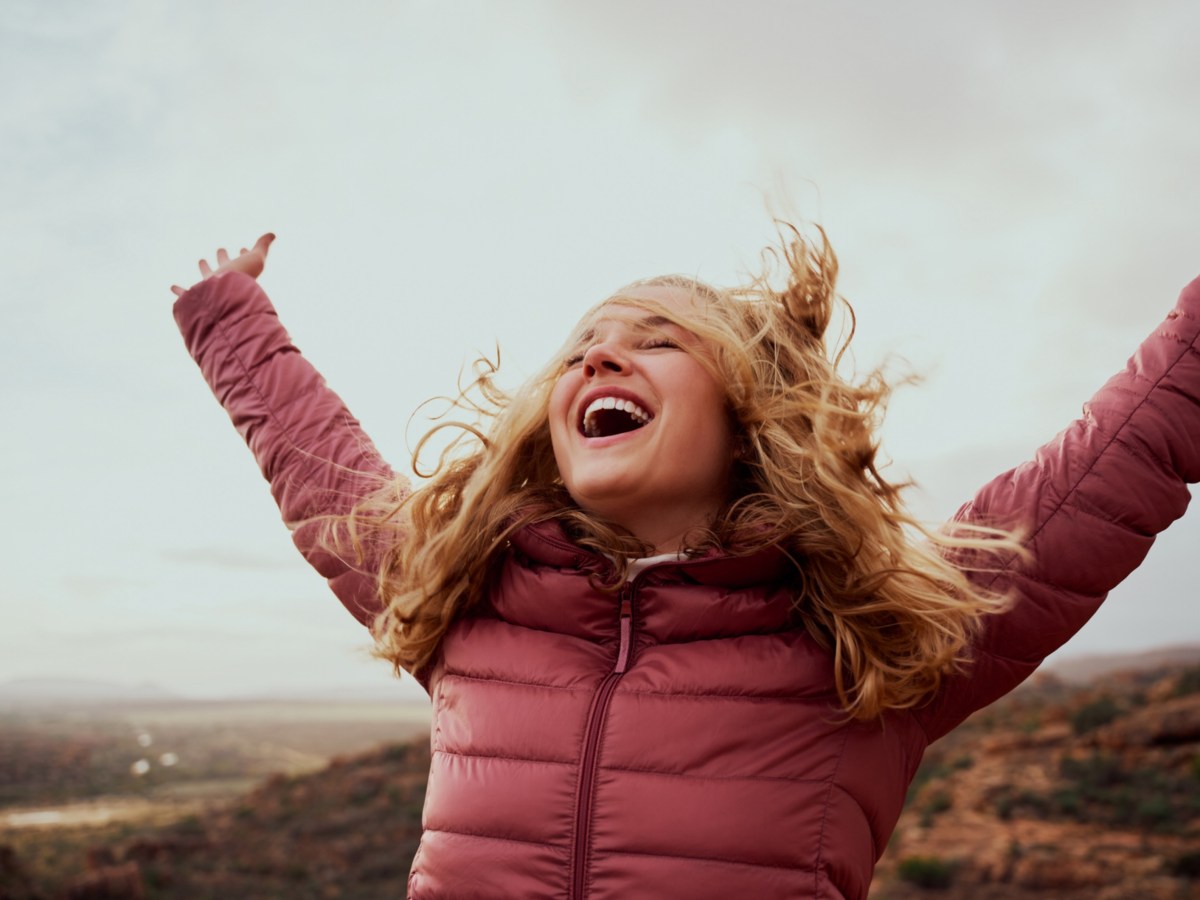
[660,342]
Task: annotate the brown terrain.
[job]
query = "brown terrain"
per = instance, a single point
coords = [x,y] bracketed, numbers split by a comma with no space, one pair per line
[1062,791]
[120,799]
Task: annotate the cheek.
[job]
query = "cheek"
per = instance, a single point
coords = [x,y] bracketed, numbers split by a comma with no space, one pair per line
[716,436]
[560,401]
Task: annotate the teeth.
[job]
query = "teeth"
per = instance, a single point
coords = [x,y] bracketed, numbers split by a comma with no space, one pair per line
[614,403]
[639,415]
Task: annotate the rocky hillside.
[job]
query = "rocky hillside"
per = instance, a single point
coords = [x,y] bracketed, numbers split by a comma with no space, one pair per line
[1059,792]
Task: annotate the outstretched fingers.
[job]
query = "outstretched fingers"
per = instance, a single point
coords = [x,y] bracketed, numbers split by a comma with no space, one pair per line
[251,262]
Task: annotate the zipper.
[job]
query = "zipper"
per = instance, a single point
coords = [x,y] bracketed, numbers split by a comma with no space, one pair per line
[591,743]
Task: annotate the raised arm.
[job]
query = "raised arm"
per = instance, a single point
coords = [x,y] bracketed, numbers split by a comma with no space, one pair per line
[307,444]
[1091,501]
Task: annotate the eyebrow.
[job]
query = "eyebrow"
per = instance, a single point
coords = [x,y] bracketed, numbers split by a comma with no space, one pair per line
[644,323]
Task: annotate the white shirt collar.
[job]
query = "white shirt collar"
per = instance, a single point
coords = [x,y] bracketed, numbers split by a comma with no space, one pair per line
[637,565]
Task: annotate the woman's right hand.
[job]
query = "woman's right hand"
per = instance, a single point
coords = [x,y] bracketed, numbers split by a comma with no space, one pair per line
[251,262]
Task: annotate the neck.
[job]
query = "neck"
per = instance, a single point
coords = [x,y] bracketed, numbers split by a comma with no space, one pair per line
[667,534]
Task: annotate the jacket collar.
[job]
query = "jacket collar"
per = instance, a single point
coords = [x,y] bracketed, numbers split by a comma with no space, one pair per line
[548,544]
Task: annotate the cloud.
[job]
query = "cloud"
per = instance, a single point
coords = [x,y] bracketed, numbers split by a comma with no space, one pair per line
[226,558]
[1053,144]
[883,80]
[1009,187]
[91,587]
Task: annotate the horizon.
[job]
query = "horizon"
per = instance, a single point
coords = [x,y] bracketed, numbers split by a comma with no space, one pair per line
[1093,664]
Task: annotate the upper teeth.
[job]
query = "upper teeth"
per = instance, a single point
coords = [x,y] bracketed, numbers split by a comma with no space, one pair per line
[600,403]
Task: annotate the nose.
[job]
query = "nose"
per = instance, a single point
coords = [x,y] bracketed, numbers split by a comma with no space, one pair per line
[604,356]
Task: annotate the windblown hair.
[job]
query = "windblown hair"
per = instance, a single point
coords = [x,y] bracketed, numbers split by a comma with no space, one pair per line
[871,583]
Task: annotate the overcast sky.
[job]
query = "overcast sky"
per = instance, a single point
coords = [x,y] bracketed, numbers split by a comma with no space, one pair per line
[1011,188]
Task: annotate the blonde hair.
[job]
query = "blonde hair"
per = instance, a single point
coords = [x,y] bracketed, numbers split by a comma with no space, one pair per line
[871,583]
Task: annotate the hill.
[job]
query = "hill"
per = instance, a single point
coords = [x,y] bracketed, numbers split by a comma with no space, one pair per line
[52,755]
[1058,791]
[1088,793]
[1088,667]
[348,832]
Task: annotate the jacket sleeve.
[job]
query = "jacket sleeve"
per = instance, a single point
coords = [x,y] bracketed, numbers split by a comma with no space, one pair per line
[307,444]
[1090,503]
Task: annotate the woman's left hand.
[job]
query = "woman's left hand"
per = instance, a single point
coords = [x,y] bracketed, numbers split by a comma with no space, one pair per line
[251,262]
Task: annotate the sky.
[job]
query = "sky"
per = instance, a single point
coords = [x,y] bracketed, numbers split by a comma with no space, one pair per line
[1010,187]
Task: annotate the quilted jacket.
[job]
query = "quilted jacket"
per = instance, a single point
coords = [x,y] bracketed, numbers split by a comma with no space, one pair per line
[681,738]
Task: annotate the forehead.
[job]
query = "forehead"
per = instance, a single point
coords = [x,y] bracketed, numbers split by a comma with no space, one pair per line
[648,305]
[675,298]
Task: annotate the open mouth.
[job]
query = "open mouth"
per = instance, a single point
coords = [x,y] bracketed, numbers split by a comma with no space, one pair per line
[606,416]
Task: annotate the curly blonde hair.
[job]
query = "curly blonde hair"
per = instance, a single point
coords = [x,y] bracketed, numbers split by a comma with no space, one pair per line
[877,588]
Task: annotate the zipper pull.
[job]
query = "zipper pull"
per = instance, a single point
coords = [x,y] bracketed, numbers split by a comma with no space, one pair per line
[626,624]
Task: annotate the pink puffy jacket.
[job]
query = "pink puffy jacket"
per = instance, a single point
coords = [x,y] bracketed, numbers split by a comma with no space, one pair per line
[682,739]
